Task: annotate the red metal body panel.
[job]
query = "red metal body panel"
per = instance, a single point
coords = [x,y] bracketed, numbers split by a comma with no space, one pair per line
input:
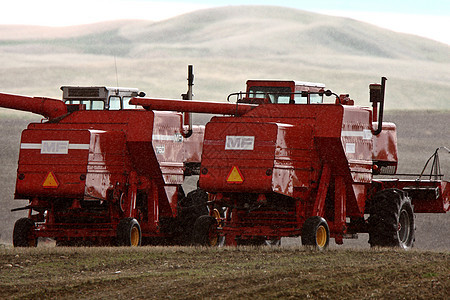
[194,144]
[109,165]
[252,162]
[33,167]
[385,149]
[292,140]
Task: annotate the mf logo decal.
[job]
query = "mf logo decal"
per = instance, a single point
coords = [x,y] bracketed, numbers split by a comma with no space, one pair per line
[233,142]
[177,137]
[55,147]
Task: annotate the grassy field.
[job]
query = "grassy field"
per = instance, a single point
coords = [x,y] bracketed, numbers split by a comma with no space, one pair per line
[221,273]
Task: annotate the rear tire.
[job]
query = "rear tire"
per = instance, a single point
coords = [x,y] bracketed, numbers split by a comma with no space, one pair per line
[316,233]
[190,208]
[129,233]
[23,233]
[391,220]
[205,232]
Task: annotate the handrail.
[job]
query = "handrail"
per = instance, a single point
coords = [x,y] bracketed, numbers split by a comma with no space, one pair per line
[436,166]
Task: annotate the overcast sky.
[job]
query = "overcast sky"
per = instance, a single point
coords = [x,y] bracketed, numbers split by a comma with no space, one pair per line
[428,18]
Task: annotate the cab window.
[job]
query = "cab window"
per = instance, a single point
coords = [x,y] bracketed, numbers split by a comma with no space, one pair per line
[277,94]
[96,105]
[114,103]
[126,104]
[301,98]
[90,104]
[315,98]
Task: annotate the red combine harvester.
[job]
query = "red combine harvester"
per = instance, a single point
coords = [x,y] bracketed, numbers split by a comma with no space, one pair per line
[100,171]
[286,164]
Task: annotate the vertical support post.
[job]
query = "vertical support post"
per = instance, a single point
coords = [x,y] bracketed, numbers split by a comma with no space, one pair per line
[230,235]
[155,198]
[132,193]
[340,213]
[319,203]
[300,210]
[50,214]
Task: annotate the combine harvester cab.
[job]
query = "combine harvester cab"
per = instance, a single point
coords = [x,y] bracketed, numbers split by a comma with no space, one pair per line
[295,166]
[100,171]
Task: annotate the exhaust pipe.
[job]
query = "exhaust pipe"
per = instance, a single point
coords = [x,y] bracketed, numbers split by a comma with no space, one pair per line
[188,96]
[377,96]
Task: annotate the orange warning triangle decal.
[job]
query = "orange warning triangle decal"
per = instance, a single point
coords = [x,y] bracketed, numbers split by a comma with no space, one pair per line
[235,175]
[50,181]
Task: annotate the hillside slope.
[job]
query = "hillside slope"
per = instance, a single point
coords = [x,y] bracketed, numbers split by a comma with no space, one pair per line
[228,45]
[248,31]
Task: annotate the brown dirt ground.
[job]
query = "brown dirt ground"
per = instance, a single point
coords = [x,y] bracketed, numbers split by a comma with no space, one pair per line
[223,273]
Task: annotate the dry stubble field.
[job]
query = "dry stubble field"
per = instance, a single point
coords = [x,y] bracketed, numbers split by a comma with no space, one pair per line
[222,273]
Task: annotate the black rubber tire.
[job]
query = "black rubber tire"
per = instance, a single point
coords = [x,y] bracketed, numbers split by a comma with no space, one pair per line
[205,232]
[129,232]
[316,233]
[198,199]
[391,220]
[22,234]
[190,208]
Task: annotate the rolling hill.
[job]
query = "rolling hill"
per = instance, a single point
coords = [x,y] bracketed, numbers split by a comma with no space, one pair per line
[227,46]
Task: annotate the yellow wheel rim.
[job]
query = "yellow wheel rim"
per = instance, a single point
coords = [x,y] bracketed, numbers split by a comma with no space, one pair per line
[321,236]
[134,238]
[213,235]
[216,215]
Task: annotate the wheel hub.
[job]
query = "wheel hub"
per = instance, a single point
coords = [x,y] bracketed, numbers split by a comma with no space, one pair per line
[404,226]
[134,236]
[321,236]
